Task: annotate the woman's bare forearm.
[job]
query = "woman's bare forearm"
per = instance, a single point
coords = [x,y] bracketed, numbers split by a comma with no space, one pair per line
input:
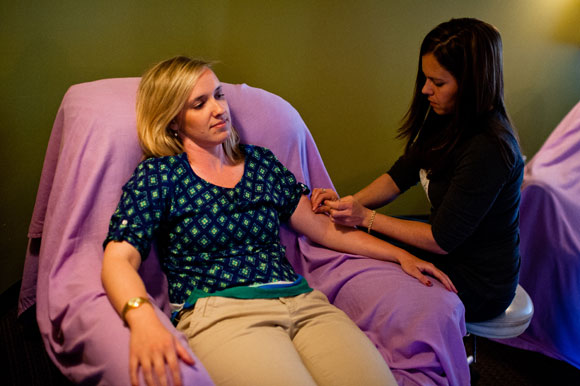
[321,230]
[415,233]
[120,277]
[153,349]
[378,193]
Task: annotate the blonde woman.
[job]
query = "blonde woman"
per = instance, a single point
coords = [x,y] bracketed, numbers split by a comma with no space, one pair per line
[214,208]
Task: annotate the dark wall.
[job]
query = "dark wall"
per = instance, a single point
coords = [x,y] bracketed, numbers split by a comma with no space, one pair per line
[348,67]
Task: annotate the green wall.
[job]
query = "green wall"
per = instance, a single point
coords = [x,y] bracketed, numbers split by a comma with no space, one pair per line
[348,67]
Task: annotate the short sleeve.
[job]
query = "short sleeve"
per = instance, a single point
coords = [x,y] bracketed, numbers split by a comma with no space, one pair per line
[140,209]
[286,188]
[404,172]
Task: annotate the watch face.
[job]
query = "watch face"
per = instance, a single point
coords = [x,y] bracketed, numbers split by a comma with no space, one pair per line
[135,302]
[132,304]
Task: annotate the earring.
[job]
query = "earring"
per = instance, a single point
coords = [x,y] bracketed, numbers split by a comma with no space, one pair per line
[175,134]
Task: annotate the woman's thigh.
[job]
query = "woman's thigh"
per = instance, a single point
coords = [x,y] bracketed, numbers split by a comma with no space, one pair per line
[244,342]
[333,348]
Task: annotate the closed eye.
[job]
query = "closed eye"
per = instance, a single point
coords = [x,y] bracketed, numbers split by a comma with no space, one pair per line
[436,82]
[198,103]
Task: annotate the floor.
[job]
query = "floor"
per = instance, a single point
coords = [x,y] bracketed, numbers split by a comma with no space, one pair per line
[24,361]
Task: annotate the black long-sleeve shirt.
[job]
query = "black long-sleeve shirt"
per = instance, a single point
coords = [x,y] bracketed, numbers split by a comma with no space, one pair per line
[475,218]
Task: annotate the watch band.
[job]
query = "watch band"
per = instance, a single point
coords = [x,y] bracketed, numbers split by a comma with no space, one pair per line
[132,304]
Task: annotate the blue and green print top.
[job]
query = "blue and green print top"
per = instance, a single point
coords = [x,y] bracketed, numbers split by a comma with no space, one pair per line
[213,240]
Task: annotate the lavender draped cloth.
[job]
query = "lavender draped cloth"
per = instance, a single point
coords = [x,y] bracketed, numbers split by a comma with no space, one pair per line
[93,150]
[550,244]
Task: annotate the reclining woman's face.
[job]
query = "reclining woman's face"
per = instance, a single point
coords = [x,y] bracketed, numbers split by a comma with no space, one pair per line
[440,86]
[205,119]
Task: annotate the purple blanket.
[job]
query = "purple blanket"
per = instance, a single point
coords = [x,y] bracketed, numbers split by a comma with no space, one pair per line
[93,150]
[550,244]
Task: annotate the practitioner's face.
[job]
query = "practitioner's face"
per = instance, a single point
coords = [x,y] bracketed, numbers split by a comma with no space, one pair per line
[440,86]
[205,119]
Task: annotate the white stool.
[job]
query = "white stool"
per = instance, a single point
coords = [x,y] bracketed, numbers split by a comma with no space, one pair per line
[511,323]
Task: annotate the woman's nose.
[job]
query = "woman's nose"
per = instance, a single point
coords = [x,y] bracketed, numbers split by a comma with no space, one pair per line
[219,107]
[427,89]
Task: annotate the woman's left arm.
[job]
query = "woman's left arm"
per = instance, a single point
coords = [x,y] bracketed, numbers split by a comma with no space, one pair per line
[415,233]
[321,230]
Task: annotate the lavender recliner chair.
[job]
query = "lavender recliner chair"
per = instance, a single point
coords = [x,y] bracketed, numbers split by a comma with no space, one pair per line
[550,244]
[93,150]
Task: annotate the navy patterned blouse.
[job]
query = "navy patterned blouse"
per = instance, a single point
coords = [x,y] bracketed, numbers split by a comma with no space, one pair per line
[213,240]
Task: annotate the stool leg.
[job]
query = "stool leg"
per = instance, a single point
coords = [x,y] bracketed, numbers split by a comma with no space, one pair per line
[472,358]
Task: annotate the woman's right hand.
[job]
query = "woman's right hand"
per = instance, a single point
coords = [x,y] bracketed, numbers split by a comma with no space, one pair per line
[153,347]
[318,198]
[417,268]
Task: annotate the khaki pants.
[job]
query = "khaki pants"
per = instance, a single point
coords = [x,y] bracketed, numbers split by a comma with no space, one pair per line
[298,341]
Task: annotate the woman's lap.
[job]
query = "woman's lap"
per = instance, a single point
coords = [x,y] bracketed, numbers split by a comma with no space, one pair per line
[477,306]
[299,340]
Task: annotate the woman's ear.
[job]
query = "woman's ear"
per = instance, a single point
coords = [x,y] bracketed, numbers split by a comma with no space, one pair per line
[174,126]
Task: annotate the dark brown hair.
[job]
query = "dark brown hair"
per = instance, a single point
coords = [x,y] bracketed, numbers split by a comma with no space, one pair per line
[471,50]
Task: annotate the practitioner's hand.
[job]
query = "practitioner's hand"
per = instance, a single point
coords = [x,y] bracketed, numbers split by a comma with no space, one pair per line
[319,198]
[349,212]
[153,348]
[417,268]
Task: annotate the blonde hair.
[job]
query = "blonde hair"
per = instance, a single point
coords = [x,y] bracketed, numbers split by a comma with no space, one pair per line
[163,91]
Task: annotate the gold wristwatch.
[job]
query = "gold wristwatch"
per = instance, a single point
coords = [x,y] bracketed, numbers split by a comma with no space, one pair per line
[132,304]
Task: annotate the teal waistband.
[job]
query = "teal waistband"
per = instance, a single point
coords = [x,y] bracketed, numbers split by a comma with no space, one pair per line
[266,291]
